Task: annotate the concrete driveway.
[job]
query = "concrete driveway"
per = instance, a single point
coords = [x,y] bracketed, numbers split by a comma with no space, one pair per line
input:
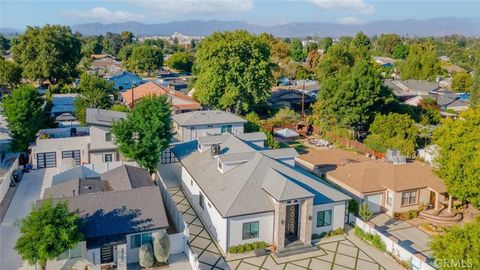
[29,190]
[409,237]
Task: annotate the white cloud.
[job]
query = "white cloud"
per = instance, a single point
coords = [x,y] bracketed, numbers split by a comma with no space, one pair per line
[102,14]
[354,6]
[197,7]
[350,20]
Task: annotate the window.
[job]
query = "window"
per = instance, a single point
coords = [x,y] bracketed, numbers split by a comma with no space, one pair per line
[201,201]
[389,198]
[227,128]
[250,230]
[324,218]
[409,197]
[220,165]
[139,239]
[108,158]
[108,136]
[72,253]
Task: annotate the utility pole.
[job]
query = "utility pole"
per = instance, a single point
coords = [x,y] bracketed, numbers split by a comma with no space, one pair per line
[133,96]
[303,101]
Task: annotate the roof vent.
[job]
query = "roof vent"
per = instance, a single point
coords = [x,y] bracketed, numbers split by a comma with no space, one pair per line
[394,156]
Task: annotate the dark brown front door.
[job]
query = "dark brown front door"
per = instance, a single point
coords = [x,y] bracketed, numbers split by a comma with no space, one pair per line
[291,223]
[432,198]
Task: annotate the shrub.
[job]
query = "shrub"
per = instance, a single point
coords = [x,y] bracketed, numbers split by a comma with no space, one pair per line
[365,212]
[338,231]
[359,232]
[406,215]
[353,207]
[378,243]
[248,247]
[315,236]
[374,239]
[241,249]
[145,255]
[259,245]
[323,234]
[233,250]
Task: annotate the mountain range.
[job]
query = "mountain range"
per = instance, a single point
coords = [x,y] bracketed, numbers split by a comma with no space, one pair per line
[410,27]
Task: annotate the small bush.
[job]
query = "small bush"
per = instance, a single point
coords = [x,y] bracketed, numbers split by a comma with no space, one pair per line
[323,234]
[241,249]
[315,236]
[260,245]
[353,207]
[233,250]
[359,232]
[374,239]
[338,231]
[406,215]
[365,212]
[378,243]
[248,247]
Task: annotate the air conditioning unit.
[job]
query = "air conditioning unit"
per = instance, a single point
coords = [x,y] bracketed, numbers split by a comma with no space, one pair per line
[215,150]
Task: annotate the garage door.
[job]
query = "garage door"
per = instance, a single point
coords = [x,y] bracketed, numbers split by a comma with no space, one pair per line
[374,202]
[75,154]
[46,160]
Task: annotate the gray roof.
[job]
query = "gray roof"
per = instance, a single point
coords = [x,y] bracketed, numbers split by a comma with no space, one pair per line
[253,136]
[127,177]
[75,187]
[102,117]
[210,117]
[281,188]
[119,212]
[281,152]
[410,87]
[74,173]
[240,191]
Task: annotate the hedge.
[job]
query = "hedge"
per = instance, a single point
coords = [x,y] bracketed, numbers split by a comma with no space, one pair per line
[247,247]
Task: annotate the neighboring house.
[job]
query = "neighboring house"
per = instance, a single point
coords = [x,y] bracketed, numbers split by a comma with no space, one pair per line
[125,80]
[245,194]
[91,144]
[290,97]
[106,67]
[386,186]
[63,103]
[309,86]
[191,125]
[180,102]
[384,61]
[121,209]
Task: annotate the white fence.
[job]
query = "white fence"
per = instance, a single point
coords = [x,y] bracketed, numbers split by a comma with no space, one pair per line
[183,236]
[392,247]
[6,178]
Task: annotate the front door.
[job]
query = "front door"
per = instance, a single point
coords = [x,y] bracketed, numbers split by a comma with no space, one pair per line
[291,224]
[432,198]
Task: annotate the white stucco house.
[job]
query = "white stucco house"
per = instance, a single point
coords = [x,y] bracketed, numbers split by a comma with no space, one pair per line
[192,125]
[90,144]
[245,193]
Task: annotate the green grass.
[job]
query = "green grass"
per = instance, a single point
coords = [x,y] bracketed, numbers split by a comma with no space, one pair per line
[301,149]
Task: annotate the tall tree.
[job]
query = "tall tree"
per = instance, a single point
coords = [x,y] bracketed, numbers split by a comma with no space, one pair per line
[146,131]
[326,43]
[296,50]
[181,61]
[145,59]
[95,92]
[51,52]
[458,248]
[459,155]
[393,131]
[361,41]
[387,43]
[337,57]
[233,71]
[112,43]
[48,231]
[126,37]
[400,51]
[462,82]
[4,44]
[475,90]
[422,63]
[279,56]
[10,73]
[92,46]
[25,116]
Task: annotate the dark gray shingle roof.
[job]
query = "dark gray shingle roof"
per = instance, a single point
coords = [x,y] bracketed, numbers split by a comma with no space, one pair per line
[102,117]
[210,117]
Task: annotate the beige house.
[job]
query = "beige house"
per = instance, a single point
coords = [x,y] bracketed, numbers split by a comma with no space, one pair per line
[385,186]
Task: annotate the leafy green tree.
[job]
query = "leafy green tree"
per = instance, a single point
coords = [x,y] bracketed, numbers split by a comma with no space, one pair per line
[126,38]
[10,73]
[296,50]
[393,131]
[400,51]
[95,92]
[48,53]
[145,59]
[4,44]
[111,43]
[475,90]
[120,108]
[254,122]
[92,46]
[326,43]
[125,53]
[181,61]
[146,131]
[279,56]
[352,96]
[387,43]
[337,57]
[459,155]
[48,231]
[25,116]
[361,41]
[430,111]
[154,42]
[462,82]
[233,71]
[284,116]
[422,63]
[458,248]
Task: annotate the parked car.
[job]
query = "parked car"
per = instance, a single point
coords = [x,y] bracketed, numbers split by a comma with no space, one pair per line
[16,177]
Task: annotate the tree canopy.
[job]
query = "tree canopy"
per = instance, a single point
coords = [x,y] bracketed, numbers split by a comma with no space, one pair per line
[233,71]
[296,50]
[48,53]
[459,155]
[393,131]
[181,61]
[95,92]
[146,131]
[25,116]
[475,89]
[145,59]
[458,248]
[10,73]
[462,82]
[422,63]
[387,43]
[48,231]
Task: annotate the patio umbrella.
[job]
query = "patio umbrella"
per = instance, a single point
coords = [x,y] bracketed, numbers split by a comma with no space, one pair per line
[64,117]
[286,133]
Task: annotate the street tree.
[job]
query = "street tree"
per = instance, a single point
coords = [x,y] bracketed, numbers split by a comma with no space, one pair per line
[145,59]
[94,92]
[146,131]
[10,74]
[181,61]
[393,131]
[48,231]
[49,53]
[25,116]
[421,64]
[459,155]
[233,71]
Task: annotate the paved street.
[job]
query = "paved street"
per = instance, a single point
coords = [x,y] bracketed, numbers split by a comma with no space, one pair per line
[347,252]
[28,192]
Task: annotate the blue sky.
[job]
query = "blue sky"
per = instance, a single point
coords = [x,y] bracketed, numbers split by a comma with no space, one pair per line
[19,13]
